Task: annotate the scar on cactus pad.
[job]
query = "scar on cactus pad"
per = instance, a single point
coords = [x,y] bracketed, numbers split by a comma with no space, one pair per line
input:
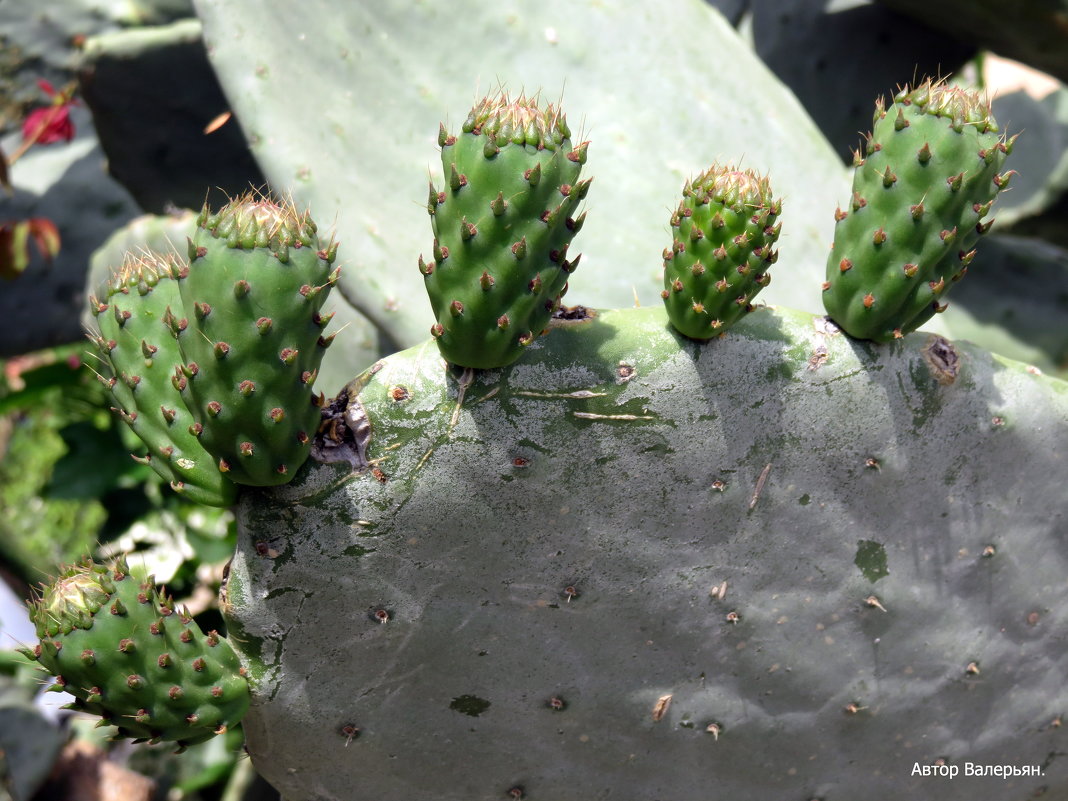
[922,187]
[502,227]
[139,353]
[723,234]
[251,335]
[128,655]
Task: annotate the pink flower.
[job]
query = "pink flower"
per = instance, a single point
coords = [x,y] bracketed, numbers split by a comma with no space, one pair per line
[52,123]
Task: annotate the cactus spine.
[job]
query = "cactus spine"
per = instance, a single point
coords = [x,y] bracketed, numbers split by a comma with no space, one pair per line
[922,188]
[252,336]
[724,231]
[127,654]
[502,228]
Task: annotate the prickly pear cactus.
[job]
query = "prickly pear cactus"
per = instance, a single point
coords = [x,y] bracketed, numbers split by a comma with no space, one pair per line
[781,564]
[252,337]
[141,355]
[502,228]
[127,654]
[723,234]
[921,192]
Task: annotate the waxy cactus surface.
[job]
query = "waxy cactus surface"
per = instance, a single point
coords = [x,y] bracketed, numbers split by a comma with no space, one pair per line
[630,564]
[141,353]
[251,334]
[922,188]
[127,654]
[723,234]
[778,565]
[502,224]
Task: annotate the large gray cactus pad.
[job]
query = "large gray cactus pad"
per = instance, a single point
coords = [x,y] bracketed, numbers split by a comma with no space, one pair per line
[781,564]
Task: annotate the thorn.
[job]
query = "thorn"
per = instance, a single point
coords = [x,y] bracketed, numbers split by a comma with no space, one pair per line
[1001,180]
[456,179]
[874,602]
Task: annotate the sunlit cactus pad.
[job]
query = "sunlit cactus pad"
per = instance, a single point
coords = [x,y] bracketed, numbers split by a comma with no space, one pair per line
[723,237]
[922,188]
[139,355]
[502,223]
[251,333]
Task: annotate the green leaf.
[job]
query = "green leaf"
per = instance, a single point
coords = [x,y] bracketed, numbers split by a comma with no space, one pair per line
[95,463]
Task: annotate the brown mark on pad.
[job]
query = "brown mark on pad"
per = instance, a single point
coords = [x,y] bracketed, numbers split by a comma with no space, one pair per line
[818,357]
[572,314]
[759,486]
[825,327]
[344,432]
[660,708]
[942,359]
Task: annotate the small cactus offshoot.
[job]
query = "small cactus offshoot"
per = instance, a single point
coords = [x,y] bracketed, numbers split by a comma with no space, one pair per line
[127,654]
[922,187]
[141,354]
[724,232]
[502,224]
[251,336]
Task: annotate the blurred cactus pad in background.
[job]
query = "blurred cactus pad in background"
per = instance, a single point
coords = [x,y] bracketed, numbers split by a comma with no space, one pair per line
[584,420]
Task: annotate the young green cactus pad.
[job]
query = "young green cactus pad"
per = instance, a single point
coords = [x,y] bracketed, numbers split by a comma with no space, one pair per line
[142,354]
[122,649]
[251,335]
[635,567]
[502,228]
[723,233]
[921,191]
